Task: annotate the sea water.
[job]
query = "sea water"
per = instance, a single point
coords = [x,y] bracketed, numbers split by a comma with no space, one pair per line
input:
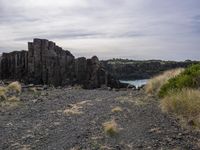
[136,83]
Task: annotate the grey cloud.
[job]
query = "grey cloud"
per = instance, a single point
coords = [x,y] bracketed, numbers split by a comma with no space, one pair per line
[140,25]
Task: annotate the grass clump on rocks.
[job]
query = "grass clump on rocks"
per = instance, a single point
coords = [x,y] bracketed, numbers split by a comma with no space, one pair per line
[15,86]
[9,94]
[111,128]
[117,109]
[3,91]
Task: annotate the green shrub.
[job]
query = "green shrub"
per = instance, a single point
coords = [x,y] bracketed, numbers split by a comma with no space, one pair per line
[190,78]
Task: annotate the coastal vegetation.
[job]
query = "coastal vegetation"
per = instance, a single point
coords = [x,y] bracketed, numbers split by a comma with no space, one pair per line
[179,93]
[190,78]
[154,85]
[185,104]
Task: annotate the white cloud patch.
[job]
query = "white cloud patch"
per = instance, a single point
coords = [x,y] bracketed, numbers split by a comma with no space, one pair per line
[137,29]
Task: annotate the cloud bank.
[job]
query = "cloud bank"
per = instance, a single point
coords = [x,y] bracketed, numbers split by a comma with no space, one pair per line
[134,29]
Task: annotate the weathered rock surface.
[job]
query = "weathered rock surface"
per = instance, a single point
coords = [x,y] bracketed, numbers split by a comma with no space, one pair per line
[47,63]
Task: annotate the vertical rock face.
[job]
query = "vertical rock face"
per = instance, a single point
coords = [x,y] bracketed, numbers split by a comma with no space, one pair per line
[90,72]
[47,63]
[80,70]
[95,73]
[14,65]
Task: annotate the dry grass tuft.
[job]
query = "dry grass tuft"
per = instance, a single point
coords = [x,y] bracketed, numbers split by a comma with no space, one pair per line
[15,86]
[13,99]
[185,104]
[8,94]
[33,89]
[111,128]
[75,109]
[3,96]
[117,109]
[153,85]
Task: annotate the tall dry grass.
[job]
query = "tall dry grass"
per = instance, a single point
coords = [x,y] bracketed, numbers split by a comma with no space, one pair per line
[153,85]
[185,104]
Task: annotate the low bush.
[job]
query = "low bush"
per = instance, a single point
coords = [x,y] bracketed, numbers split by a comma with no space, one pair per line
[189,78]
[185,103]
[153,85]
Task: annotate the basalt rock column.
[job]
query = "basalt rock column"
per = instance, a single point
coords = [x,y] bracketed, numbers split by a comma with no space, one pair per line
[14,65]
[49,63]
[90,73]
[80,70]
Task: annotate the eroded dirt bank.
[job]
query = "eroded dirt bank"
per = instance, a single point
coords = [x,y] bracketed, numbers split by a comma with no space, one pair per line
[64,119]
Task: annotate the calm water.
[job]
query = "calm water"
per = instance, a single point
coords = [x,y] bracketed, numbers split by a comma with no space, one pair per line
[136,83]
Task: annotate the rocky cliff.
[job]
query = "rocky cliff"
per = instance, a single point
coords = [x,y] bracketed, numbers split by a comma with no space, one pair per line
[131,69]
[47,63]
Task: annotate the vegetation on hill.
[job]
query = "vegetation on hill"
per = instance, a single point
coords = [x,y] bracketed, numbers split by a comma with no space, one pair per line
[179,93]
[154,85]
[185,104]
[190,78]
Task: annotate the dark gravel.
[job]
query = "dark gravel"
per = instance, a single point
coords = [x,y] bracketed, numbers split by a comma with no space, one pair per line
[40,123]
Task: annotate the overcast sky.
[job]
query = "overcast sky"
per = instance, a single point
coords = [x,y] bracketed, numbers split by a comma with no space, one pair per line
[134,29]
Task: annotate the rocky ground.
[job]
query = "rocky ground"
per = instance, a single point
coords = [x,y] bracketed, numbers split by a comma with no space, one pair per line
[71,119]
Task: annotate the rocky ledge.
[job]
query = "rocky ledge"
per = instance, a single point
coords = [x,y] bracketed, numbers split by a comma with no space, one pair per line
[47,63]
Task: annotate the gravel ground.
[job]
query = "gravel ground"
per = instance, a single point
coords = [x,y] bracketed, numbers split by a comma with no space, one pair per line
[71,119]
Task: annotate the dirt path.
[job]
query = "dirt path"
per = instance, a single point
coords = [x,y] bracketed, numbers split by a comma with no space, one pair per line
[71,119]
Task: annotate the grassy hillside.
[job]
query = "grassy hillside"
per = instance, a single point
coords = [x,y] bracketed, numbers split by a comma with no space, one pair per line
[190,78]
[179,92]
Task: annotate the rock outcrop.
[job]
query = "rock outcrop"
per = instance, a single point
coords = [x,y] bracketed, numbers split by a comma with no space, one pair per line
[47,63]
[90,72]
[14,65]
